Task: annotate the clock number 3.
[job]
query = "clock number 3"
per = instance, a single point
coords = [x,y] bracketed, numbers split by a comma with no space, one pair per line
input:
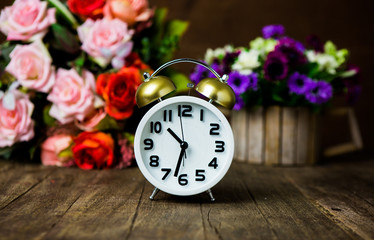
[220,146]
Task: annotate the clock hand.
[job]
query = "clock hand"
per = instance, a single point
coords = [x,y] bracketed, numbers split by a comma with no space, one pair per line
[174,135]
[184,146]
[180,120]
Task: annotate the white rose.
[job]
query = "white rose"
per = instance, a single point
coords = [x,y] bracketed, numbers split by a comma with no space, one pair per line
[247,61]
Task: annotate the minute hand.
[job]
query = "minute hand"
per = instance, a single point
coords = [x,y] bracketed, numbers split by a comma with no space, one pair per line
[179,162]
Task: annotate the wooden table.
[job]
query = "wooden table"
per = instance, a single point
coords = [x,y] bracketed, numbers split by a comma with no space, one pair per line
[333,201]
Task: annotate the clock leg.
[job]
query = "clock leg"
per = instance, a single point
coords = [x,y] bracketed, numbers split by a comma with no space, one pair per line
[155,191]
[211,195]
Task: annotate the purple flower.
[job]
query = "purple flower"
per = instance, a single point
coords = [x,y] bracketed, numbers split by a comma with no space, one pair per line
[239,83]
[320,92]
[200,72]
[315,43]
[253,81]
[293,50]
[299,83]
[273,31]
[275,66]
[229,60]
[239,103]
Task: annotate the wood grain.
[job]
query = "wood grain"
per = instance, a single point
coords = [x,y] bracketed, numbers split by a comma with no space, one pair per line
[272,135]
[256,134]
[289,132]
[252,202]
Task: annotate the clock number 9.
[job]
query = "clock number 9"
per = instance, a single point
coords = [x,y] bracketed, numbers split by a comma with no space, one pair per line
[149,144]
[154,161]
[182,179]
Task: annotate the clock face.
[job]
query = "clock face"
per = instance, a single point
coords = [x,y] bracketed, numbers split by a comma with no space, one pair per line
[184,145]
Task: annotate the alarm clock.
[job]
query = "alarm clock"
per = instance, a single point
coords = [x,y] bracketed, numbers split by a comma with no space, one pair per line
[184,145]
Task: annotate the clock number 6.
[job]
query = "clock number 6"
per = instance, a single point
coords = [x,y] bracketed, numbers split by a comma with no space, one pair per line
[182,179]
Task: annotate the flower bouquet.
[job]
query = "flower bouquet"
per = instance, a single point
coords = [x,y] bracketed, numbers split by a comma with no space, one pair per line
[278,70]
[69,73]
[280,86]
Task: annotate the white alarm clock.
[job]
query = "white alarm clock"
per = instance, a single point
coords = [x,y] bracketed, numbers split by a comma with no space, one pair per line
[184,145]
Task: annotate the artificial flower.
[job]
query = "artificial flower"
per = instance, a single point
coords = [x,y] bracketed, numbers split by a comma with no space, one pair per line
[273,31]
[238,82]
[275,66]
[106,41]
[87,8]
[129,11]
[72,95]
[93,150]
[31,65]
[118,90]
[127,152]
[299,83]
[293,50]
[26,20]
[16,124]
[247,61]
[320,92]
[52,151]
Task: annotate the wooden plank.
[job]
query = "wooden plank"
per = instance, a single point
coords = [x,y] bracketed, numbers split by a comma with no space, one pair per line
[314,140]
[288,212]
[272,135]
[302,135]
[241,137]
[289,127]
[256,135]
[17,179]
[106,207]
[235,214]
[342,195]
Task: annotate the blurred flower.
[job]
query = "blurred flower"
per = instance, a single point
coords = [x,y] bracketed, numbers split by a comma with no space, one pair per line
[129,11]
[275,66]
[239,103]
[16,124]
[118,91]
[315,43]
[325,62]
[299,83]
[106,41]
[72,95]
[87,8]
[92,120]
[31,65]
[320,92]
[217,54]
[52,151]
[263,45]
[238,82]
[93,150]
[26,20]
[247,61]
[273,31]
[293,50]
[127,152]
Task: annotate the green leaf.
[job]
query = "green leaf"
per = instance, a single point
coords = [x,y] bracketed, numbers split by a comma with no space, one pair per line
[66,153]
[62,11]
[6,152]
[63,39]
[176,28]
[180,80]
[108,123]
[48,120]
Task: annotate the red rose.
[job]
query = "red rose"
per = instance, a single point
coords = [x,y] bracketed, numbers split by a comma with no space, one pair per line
[93,150]
[87,8]
[118,91]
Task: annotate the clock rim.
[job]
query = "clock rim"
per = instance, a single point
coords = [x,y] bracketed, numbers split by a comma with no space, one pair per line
[156,182]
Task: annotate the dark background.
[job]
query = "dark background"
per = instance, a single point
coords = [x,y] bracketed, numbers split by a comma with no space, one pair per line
[349,24]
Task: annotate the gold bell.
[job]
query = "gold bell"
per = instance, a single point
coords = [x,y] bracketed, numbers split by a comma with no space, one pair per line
[152,89]
[218,91]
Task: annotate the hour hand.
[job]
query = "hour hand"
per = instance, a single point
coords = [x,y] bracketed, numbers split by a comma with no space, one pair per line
[174,135]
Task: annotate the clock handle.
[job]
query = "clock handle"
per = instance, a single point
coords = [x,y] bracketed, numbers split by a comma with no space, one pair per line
[190,60]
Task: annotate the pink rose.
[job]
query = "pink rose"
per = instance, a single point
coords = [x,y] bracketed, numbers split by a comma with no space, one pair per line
[129,11]
[16,124]
[92,120]
[72,95]
[106,41]
[51,150]
[26,20]
[31,65]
